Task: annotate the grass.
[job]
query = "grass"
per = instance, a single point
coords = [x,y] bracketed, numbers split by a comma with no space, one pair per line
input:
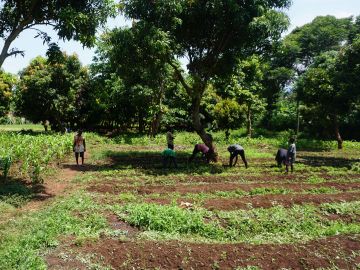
[21,243]
[32,127]
[255,226]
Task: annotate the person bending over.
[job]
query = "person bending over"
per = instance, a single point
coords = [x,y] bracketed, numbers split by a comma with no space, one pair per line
[203,149]
[236,150]
[281,157]
[169,157]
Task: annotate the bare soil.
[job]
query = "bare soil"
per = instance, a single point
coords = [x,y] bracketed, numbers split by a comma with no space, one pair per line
[113,187]
[340,251]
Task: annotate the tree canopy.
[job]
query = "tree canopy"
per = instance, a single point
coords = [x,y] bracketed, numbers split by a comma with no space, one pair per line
[50,89]
[71,19]
[211,35]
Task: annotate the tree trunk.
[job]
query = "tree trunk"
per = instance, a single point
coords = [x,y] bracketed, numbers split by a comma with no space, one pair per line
[297,117]
[248,120]
[155,124]
[200,130]
[337,132]
[141,125]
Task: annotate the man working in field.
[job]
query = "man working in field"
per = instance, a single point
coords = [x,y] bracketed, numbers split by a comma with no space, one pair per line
[236,150]
[203,149]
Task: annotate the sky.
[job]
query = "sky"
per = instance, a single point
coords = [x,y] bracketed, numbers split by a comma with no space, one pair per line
[300,13]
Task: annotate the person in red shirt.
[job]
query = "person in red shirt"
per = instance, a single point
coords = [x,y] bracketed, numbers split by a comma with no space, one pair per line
[200,148]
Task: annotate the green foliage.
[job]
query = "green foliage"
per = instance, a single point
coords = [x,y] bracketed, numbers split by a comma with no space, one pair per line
[324,33]
[7,82]
[228,114]
[15,193]
[169,219]
[135,75]
[344,208]
[20,245]
[5,163]
[276,224]
[34,153]
[75,19]
[50,89]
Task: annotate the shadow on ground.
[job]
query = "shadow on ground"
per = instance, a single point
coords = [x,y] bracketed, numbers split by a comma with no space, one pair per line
[150,163]
[316,161]
[18,192]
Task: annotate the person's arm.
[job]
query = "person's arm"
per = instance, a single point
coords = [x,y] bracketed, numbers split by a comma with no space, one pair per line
[84,145]
[74,143]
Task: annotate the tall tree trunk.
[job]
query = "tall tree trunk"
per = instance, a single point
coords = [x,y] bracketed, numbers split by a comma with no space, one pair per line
[155,124]
[200,130]
[337,132]
[297,117]
[248,121]
[141,123]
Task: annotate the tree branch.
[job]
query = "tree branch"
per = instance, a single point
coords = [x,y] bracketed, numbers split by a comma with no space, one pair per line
[15,52]
[181,78]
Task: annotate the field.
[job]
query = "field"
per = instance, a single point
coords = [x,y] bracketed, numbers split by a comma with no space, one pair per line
[122,210]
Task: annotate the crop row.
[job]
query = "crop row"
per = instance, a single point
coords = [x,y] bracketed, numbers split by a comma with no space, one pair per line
[33,153]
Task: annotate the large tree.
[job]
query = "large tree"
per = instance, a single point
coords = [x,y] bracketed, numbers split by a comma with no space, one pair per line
[330,86]
[211,34]
[129,63]
[49,90]
[7,83]
[71,19]
[299,49]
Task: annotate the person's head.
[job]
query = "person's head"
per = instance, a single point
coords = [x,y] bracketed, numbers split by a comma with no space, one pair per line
[79,133]
[292,140]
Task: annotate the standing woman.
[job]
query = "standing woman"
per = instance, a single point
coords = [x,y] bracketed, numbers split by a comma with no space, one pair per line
[79,147]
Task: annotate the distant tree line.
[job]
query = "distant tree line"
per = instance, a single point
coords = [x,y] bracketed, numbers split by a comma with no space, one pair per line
[202,66]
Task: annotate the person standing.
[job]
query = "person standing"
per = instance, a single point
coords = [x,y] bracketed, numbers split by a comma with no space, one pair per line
[79,147]
[236,150]
[291,155]
[170,139]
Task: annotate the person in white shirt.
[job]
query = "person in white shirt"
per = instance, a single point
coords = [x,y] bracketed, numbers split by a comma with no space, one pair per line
[79,147]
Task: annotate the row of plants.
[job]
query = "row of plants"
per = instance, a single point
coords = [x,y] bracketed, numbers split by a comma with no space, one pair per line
[256,226]
[32,153]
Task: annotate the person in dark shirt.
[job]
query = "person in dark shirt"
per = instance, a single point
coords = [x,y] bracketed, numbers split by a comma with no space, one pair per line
[200,148]
[236,150]
[281,157]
